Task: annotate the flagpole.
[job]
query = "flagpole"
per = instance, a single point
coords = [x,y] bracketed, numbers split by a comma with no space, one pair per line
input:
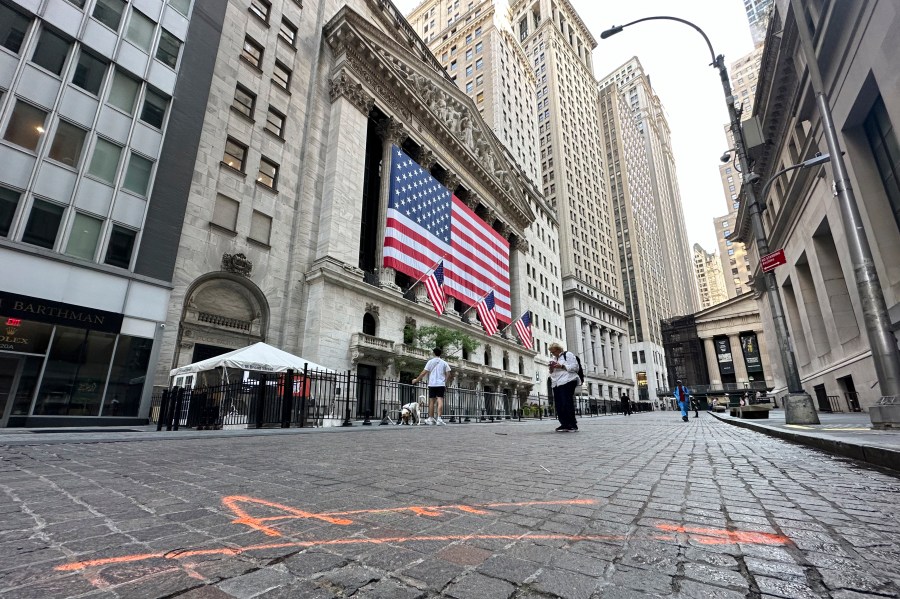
[428,272]
[514,321]
[475,304]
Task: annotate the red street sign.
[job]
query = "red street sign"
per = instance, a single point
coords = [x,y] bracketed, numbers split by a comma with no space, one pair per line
[770,261]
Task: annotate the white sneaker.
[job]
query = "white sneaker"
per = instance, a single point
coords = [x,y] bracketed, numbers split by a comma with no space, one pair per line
[440,421]
[429,420]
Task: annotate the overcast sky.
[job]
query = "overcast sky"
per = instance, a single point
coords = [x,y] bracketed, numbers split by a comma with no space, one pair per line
[676,58]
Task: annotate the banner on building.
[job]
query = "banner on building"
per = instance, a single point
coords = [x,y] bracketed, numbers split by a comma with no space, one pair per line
[723,353]
[751,352]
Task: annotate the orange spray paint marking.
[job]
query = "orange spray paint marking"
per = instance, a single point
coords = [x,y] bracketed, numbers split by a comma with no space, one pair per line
[719,536]
[243,517]
[702,535]
[260,523]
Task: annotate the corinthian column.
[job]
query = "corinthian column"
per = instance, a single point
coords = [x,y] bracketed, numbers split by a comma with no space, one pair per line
[392,134]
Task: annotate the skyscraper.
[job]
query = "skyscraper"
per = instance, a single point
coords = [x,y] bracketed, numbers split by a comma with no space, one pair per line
[648,298]
[758,18]
[650,119]
[573,175]
[710,281]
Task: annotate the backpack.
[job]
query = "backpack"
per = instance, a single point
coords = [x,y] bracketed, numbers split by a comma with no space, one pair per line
[580,369]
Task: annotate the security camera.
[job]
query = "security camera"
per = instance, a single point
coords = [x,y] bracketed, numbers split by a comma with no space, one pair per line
[724,158]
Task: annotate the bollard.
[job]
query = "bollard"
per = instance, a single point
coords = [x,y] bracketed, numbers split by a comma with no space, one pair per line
[163,408]
[179,401]
[260,401]
[287,399]
[453,417]
[367,422]
[384,418]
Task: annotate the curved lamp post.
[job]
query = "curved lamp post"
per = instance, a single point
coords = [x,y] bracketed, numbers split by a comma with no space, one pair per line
[799,408]
[814,161]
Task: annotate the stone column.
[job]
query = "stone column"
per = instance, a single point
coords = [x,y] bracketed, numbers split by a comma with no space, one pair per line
[607,361]
[712,363]
[627,367]
[342,189]
[613,351]
[587,355]
[737,356]
[597,348]
[392,134]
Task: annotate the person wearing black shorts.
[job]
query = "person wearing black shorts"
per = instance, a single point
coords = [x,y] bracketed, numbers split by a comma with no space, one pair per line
[439,374]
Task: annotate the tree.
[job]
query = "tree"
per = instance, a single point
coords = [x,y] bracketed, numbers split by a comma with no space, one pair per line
[444,338]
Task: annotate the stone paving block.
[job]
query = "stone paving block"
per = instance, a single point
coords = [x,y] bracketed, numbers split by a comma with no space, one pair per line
[695,590]
[786,589]
[435,573]
[721,577]
[641,580]
[570,585]
[477,586]
[257,583]
[388,589]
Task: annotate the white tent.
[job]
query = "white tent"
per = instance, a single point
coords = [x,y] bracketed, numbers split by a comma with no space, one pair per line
[259,357]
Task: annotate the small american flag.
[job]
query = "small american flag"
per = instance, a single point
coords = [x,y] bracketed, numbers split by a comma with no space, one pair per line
[434,285]
[523,328]
[486,313]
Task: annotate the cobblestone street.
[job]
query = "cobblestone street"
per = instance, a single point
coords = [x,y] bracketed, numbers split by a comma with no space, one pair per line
[627,507]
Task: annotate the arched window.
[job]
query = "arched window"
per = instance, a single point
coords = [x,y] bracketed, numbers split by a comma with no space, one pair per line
[521,365]
[506,361]
[487,356]
[369,324]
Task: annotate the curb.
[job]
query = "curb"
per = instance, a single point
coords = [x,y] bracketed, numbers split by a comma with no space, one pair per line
[876,456]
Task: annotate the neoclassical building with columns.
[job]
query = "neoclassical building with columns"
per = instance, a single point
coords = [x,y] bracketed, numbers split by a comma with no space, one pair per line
[285,206]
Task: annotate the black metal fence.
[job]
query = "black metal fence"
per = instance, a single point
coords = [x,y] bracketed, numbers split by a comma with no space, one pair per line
[315,399]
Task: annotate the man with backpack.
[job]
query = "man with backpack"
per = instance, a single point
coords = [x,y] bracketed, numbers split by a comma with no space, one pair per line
[565,375]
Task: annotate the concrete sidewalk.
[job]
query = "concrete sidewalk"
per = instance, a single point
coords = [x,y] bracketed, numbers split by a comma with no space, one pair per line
[845,434]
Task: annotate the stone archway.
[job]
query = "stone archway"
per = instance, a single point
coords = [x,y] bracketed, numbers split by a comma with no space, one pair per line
[221,312]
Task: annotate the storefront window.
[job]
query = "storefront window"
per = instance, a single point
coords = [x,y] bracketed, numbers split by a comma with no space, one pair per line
[76,373]
[28,380]
[126,379]
[24,336]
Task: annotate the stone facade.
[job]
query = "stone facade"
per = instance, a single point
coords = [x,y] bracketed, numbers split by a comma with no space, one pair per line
[360,81]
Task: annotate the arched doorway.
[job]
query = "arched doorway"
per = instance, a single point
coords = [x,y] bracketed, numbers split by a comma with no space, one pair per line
[221,312]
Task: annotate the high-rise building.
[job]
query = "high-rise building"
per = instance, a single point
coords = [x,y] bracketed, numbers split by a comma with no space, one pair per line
[710,281]
[97,102]
[649,116]
[648,297]
[735,269]
[758,18]
[475,45]
[573,175]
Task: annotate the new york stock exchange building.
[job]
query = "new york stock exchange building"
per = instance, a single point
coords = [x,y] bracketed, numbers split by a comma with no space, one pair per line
[287,206]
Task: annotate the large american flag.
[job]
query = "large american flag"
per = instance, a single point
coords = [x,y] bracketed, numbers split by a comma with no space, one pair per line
[523,328]
[486,313]
[434,285]
[426,224]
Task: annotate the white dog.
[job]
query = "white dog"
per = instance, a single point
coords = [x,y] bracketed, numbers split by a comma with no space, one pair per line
[409,413]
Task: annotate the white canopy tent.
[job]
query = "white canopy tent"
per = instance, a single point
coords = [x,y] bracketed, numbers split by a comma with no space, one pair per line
[259,357]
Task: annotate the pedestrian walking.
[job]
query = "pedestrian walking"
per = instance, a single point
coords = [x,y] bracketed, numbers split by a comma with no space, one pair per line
[682,396]
[439,375]
[696,406]
[626,405]
[564,379]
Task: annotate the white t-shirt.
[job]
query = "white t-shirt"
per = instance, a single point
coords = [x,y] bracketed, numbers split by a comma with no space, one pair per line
[437,372]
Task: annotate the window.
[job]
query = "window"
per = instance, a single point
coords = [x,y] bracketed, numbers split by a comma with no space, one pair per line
[261,8]
[78,3]
[268,173]
[84,236]
[235,154]
[479,47]
[288,32]
[182,6]
[252,52]
[67,144]
[731,252]
[168,49]
[51,52]
[260,227]
[479,64]
[244,101]
[275,122]
[281,75]
[43,224]
[140,30]
[13,27]
[121,244]
[137,177]
[123,92]
[154,110]
[9,203]
[89,73]
[225,212]
[109,12]
[725,224]
[468,70]
[469,87]
[105,161]
[26,125]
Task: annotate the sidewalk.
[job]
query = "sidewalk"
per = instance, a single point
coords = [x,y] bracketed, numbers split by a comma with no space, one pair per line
[846,434]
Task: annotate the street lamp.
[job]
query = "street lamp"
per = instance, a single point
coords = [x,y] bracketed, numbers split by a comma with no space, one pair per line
[798,405]
[814,161]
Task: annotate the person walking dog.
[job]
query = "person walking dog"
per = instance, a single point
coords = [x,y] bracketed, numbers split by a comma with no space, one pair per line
[683,397]
[439,375]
